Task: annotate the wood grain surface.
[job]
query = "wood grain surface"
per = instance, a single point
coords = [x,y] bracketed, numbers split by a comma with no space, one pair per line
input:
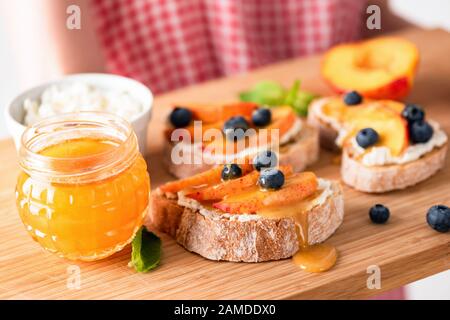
[405,249]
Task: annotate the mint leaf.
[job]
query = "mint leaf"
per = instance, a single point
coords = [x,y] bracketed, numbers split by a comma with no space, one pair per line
[264,92]
[146,251]
[247,96]
[302,101]
[291,95]
[273,94]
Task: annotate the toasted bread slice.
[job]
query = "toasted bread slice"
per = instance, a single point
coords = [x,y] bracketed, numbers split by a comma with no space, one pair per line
[376,179]
[300,152]
[242,237]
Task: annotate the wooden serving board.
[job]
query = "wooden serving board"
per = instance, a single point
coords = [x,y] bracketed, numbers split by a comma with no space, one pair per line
[405,250]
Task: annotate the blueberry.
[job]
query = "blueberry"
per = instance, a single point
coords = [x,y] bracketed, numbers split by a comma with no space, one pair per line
[235,127]
[438,217]
[271,178]
[231,171]
[379,214]
[351,98]
[413,112]
[261,117]
[367,137]
[265,159]
[180,117]
[420,131]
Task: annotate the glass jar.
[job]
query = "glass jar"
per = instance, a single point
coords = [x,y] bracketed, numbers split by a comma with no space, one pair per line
[83,190]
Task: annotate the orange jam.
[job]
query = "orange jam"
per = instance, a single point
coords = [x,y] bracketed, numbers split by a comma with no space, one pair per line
[90,199]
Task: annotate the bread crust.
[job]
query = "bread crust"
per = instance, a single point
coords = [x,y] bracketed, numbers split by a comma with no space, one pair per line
[300,153]
[377,179]
[303,151]
[327,134]
[238,238]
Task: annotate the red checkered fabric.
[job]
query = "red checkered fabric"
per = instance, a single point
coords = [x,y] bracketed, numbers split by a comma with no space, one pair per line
[168,44]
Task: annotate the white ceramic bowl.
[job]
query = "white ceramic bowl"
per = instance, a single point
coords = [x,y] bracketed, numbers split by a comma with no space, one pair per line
[14,112]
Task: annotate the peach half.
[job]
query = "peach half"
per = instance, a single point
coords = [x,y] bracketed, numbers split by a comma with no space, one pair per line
[379,68]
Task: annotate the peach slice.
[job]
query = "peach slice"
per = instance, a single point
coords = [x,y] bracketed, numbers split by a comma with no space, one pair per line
[220,113]
[379,68]
[214,116]
[393,105]
[206,113]
[228,187]
[336,108]
[207,178]
[232,186]
[244,109]
[297,187]
[282,119]
[382,115]
[204,127]
[248,202]
[390,125]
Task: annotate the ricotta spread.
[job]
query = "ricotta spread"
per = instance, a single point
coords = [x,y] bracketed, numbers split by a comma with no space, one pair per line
[323,184]
[378,156]
[292,132]
[316,108]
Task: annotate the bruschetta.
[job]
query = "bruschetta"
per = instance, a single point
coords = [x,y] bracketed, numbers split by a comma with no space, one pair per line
[201,137]
[386,145]
[237,213]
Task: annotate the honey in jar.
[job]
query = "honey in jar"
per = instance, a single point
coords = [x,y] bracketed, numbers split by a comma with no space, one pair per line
[83,190]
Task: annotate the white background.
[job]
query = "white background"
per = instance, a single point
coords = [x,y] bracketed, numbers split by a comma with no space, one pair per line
[428,14]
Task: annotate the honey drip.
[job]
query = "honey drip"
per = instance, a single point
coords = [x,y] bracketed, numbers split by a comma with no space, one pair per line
[311,258]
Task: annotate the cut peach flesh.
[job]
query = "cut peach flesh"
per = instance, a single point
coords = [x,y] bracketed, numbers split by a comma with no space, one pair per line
[202,130]
[283,119]
[214,117]
[243,109]
[209,177]
[384,116]
[336,108]
[228,187]
[246,202]
[231,187]
[390,126]
[221,113]
[379,68]
[297,187]
[206,113]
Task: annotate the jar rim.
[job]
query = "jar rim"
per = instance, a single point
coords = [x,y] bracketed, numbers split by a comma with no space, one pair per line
[56,129]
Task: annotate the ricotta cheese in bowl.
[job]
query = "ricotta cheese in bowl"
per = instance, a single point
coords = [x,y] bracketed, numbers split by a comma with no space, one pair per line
[79,96]
[100,92]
